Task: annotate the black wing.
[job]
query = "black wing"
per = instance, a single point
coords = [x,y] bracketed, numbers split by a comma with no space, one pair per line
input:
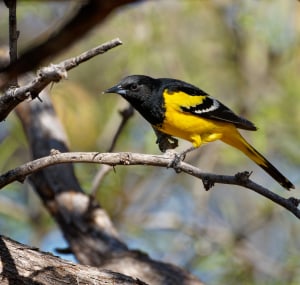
[208,107]
[211,108]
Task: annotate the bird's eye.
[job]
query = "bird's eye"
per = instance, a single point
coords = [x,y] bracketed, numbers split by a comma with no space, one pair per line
[133,87]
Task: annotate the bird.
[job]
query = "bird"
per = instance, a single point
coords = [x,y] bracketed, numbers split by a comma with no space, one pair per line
[180,109]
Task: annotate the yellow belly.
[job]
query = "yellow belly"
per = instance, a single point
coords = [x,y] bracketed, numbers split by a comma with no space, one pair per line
[191,128]
[187,126]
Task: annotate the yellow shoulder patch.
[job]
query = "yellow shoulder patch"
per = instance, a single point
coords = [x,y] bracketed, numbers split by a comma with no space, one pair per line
[180,99]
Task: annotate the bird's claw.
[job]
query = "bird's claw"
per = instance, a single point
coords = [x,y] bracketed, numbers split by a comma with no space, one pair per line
[176,159]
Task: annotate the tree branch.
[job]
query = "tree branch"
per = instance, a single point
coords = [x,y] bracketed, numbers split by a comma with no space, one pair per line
[52,73]
[25,265]
[126,158]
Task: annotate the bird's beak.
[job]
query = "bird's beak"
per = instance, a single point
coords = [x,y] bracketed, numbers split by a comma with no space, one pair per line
[116,89]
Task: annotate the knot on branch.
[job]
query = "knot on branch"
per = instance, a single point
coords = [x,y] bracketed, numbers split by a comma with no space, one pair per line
[54,151]
[294,201]
[125,158]
[243,177]
[54,72]
[208,183]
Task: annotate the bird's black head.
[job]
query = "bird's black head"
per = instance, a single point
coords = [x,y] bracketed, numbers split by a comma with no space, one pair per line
[143,93]
[136,88]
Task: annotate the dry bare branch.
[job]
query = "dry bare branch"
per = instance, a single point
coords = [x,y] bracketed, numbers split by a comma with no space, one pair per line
[52,73]
[128,158]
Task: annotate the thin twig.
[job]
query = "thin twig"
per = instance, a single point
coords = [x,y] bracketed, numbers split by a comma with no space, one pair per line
[124,158]
[46,75]
[101,173]
[126,114]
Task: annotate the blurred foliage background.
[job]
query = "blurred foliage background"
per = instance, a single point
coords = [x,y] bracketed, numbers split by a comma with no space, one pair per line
[246,53]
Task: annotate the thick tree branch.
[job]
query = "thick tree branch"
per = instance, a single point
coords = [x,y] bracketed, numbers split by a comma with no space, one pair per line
[52,73]
[24,265]
[126,158]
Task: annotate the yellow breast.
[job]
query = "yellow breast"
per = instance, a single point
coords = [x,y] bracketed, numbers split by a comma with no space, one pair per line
[187,126]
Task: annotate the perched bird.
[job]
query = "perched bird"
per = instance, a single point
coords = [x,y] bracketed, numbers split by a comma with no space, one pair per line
[180,109]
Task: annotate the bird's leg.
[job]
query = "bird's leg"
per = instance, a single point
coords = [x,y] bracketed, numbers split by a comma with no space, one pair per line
[185,152]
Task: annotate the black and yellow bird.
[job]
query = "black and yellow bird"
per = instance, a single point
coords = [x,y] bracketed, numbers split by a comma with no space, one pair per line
[180,109]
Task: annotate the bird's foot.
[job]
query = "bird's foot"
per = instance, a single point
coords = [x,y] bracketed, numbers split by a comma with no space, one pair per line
[177,158]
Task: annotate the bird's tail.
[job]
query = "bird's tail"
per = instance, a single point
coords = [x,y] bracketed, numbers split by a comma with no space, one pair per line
[236,140]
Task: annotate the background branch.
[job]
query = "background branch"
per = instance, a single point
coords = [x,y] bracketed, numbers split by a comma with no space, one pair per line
[53,73]
[13,36]
[126,114]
